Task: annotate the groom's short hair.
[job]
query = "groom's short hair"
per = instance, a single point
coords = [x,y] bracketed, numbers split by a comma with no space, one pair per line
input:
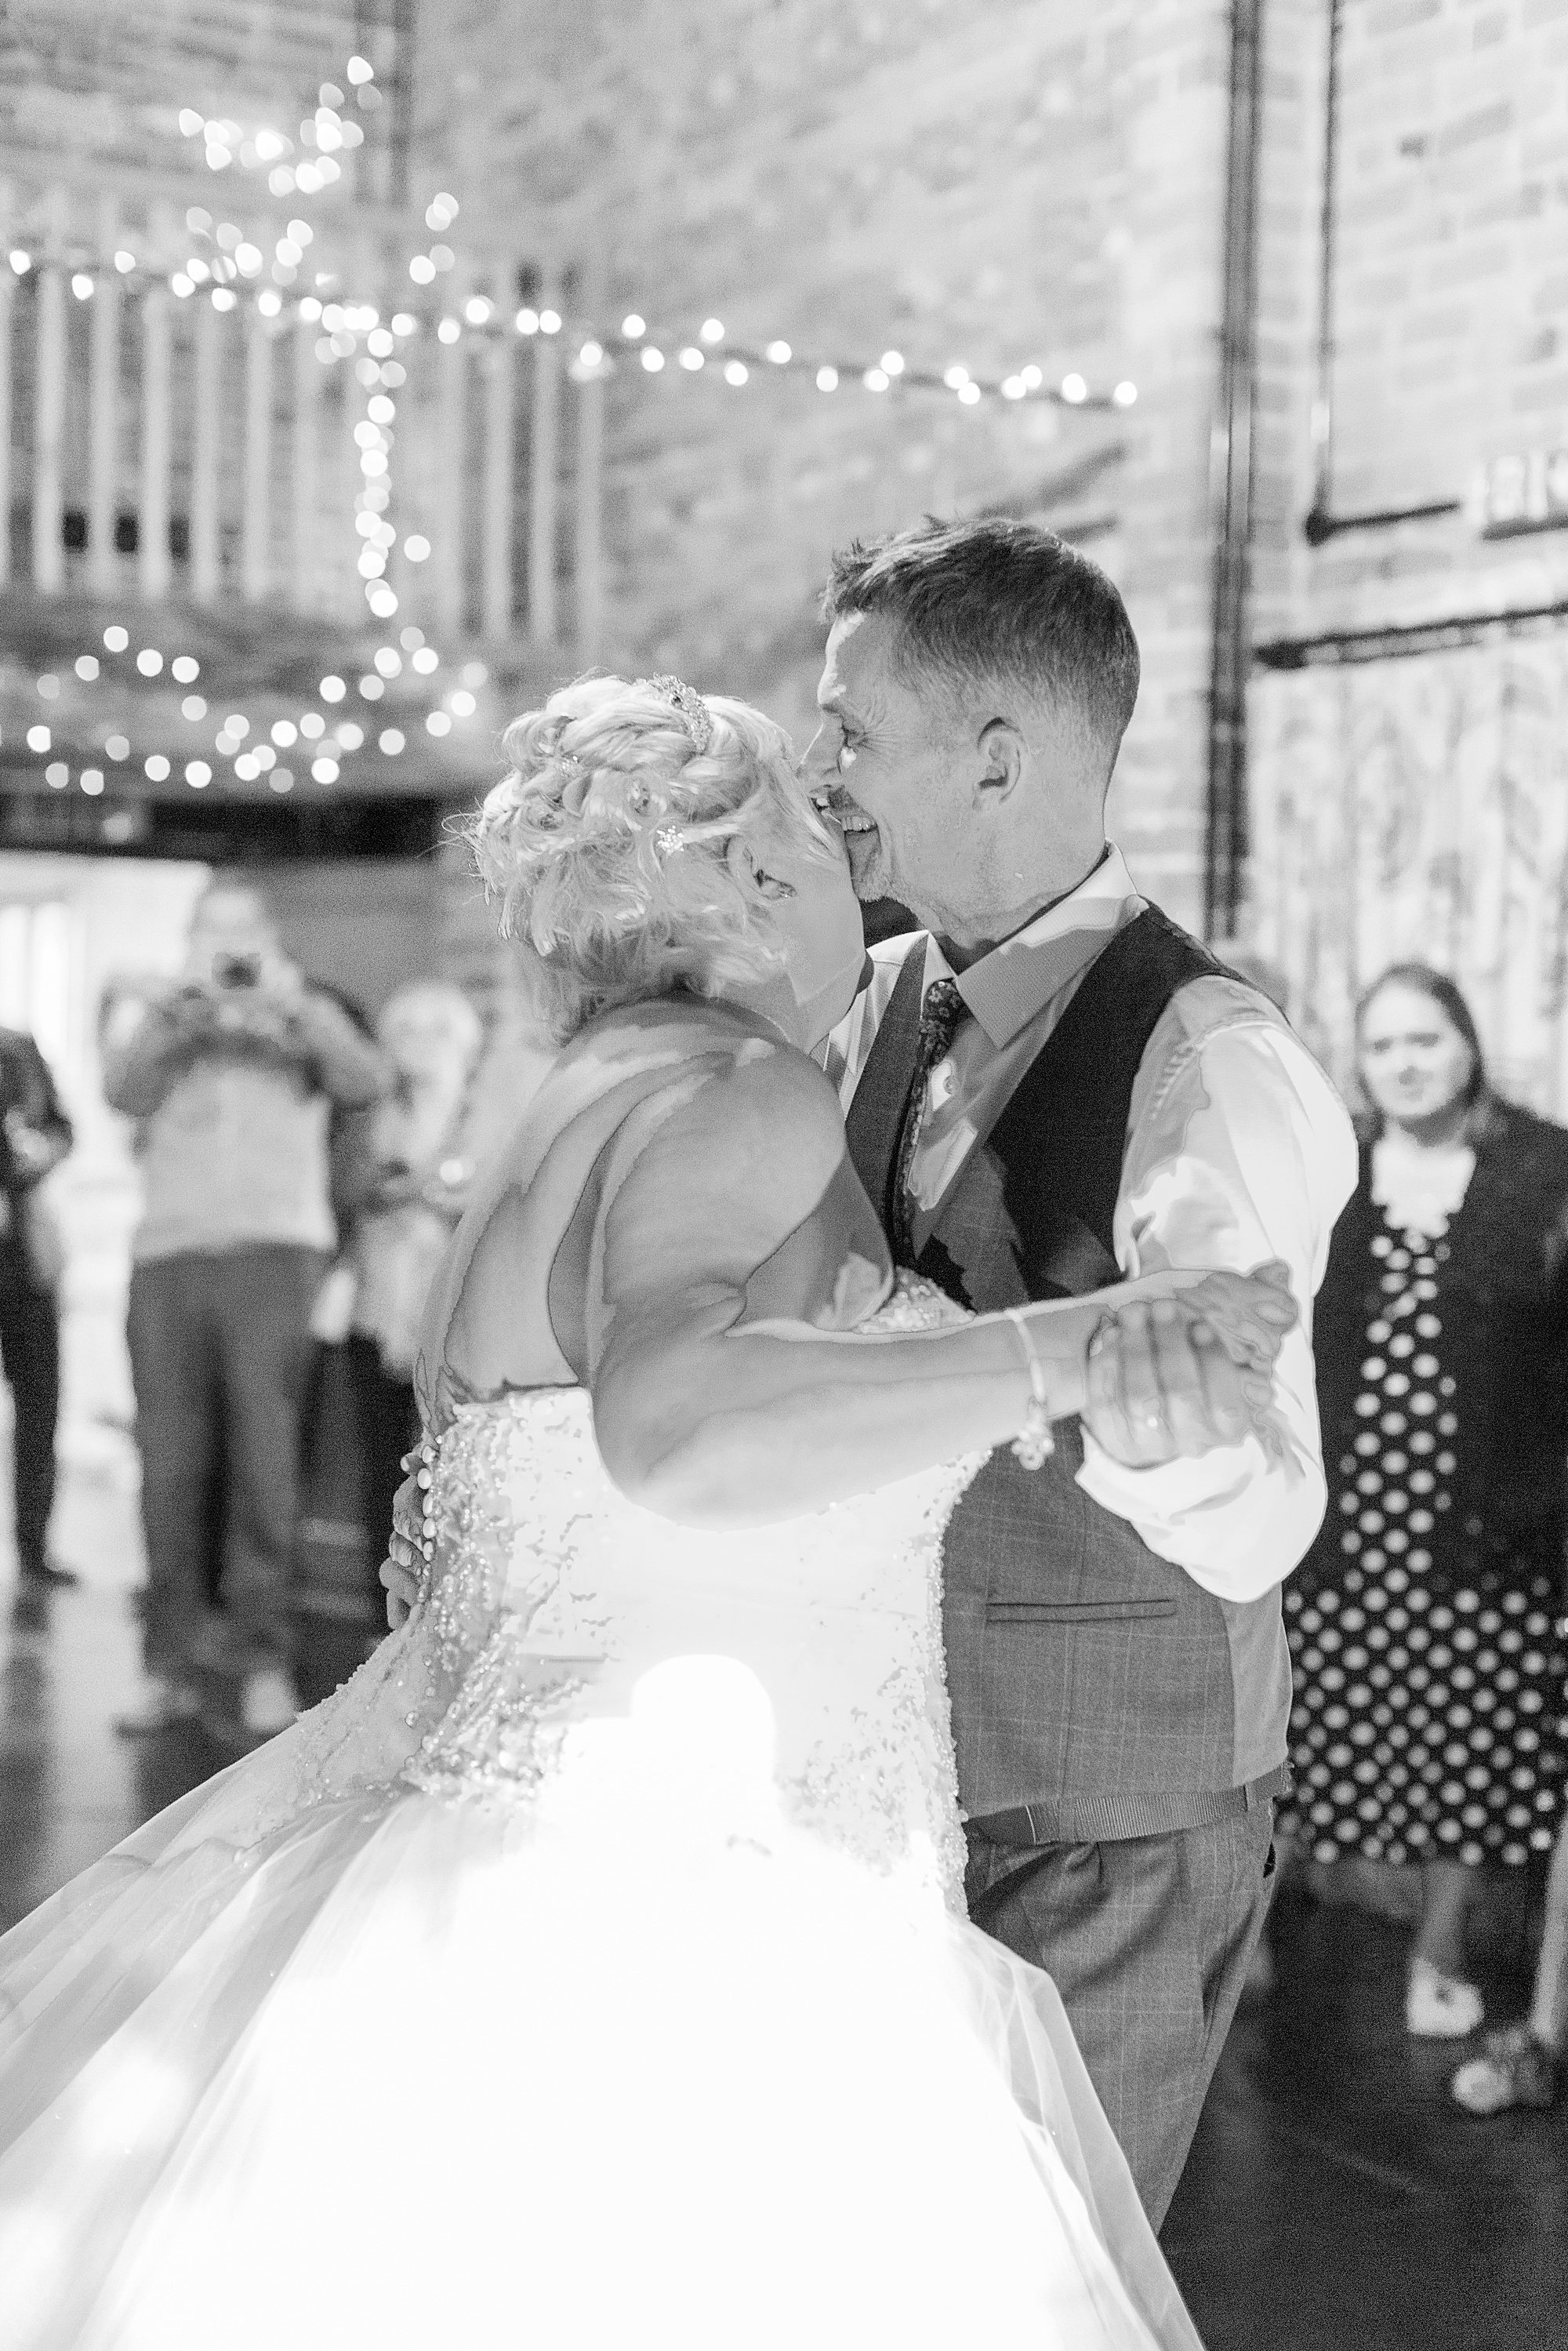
[1001,599]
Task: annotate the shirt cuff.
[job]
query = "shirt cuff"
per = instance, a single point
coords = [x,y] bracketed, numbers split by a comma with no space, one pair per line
[1237,1520]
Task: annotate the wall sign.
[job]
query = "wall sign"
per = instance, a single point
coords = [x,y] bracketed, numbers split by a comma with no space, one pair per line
[1518,494]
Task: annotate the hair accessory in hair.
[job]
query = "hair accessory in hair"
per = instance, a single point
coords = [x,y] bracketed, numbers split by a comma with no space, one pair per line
[689,705]
[669,839]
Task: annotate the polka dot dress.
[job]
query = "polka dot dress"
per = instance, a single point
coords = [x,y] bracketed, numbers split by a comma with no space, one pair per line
[1426,1717]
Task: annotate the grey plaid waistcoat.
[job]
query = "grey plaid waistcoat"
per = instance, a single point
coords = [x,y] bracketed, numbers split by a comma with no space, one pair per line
[1083,1669]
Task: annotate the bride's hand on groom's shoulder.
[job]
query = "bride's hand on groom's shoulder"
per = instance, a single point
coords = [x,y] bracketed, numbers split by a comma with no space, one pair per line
[1184,1365]
[402,1570]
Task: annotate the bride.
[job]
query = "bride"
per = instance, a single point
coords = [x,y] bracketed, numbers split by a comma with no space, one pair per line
[592,1969]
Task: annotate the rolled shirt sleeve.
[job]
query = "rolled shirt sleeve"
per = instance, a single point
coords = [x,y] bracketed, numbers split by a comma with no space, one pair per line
[1239,1151]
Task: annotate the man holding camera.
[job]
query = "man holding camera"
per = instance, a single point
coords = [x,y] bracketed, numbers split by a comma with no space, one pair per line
[231,1072]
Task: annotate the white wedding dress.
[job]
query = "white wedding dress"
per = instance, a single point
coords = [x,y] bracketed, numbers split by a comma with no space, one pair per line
[591,1970]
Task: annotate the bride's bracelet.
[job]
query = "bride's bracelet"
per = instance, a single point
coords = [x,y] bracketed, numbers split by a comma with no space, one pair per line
[1034,1443]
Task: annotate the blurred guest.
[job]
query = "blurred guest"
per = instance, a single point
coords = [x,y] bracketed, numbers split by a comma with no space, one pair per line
[416,1174]
[35,1136]
[332,1574]
[1523,2065]
[1422,1623]
[231,1072]
[518,1056]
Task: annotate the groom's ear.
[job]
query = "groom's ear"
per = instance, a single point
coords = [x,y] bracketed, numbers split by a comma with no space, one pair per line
[1002,752]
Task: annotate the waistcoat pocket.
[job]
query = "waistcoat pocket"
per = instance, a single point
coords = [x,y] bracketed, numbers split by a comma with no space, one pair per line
[1075,1612]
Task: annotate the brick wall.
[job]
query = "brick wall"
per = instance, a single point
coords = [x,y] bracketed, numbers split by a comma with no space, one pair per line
[996,183]
[1450,299]
[1415,804]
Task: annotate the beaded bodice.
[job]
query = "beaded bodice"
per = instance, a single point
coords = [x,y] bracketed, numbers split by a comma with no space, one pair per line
[576,1656]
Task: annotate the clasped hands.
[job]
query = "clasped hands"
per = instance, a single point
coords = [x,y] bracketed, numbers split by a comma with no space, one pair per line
[1186,1365]
[1180,1365]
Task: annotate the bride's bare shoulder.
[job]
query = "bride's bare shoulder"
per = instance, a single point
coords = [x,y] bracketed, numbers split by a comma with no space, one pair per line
[678,1110]
[688,1134]
[687,1048]
[735,1101]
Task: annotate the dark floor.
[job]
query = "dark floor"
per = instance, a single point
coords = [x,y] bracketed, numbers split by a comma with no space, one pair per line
[1334,2202]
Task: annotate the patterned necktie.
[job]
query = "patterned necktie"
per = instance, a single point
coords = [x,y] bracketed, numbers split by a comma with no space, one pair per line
[940,1015]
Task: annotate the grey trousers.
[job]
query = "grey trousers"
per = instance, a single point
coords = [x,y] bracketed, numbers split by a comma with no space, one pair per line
[220,1346]
[1148,1942]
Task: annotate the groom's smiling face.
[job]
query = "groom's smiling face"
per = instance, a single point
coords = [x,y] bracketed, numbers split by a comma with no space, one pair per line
[881,763]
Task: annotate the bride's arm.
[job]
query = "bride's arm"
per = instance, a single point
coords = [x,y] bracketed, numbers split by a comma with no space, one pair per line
[715,1424]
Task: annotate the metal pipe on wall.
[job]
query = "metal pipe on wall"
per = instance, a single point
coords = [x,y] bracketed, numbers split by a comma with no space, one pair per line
[1322,523]
[50,404]
[103,413]
[1231,484]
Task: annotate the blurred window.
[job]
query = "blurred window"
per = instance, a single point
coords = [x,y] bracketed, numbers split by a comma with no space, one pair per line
[40,975]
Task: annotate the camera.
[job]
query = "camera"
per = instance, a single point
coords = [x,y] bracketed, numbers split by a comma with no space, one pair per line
[236,970]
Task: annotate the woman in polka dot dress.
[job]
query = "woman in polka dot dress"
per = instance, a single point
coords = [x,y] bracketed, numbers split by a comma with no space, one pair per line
[1424,1624]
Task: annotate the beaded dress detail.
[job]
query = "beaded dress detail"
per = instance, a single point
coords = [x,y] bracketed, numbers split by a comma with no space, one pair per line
[573,1650]
[590,1969]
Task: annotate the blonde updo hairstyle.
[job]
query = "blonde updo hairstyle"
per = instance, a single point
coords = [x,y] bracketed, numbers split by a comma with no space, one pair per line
[616,848]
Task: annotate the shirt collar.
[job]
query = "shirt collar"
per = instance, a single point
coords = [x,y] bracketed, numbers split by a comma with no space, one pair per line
[1007,988]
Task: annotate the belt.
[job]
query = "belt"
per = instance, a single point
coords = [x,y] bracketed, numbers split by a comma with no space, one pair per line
[1109,1820]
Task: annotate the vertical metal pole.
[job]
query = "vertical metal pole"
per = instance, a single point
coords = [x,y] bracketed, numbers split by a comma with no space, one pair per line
[1230,487]
[152,564]
[255,548]
[103,408]
[449,552]
[303,459]
[544,457]
[8,296]
[205,564]
[49,407]
[153,526]
[588,558]
[496,519]
[1323,387]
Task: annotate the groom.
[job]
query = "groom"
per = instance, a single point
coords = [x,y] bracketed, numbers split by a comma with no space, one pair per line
[1049,1085]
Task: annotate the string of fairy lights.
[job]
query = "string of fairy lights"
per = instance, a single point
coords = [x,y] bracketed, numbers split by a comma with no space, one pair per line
[323,737]
[229,267]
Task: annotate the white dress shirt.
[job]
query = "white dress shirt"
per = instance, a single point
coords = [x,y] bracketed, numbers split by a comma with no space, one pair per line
[1238,1150]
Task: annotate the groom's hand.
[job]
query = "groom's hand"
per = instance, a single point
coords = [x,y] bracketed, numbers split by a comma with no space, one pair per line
[1160,1384]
